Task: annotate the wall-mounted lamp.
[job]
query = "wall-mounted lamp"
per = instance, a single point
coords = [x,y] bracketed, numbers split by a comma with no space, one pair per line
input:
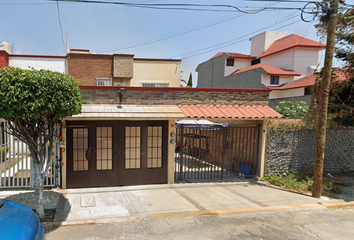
[121,93]
[172,141]
[172,134]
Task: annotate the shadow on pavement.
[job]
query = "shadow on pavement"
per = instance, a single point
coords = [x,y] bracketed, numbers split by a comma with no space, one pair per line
[56,206]
[347,192]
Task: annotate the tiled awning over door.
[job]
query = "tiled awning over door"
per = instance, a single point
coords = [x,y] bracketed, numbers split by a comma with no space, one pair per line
[111,112]
[237,111]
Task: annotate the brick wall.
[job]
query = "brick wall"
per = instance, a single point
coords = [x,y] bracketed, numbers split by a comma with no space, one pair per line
[86,68]
[135,97]
[4,59]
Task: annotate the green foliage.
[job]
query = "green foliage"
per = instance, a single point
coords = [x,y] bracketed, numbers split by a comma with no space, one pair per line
[3,151]
[341,100]
[190,84]
[300,182]
[292,110]
[28,94]
[344,49]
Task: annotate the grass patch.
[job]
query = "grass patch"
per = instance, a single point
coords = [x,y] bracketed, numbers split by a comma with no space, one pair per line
[297,182]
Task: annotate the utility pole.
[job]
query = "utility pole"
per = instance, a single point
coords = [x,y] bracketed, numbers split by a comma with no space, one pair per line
[323,98]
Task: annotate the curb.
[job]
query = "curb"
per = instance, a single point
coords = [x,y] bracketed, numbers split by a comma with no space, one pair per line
[203,213]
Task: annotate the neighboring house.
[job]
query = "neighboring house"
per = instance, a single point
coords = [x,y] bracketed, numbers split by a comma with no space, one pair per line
[283,63]
[7,58]
[47,62]
[91,69]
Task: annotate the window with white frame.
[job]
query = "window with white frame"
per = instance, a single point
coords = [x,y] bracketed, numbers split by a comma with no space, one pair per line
[155,84]
[274,80]
[104,81]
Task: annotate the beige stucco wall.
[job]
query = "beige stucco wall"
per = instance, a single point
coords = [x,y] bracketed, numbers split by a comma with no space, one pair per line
[146,71]
[171,153]
[287,93]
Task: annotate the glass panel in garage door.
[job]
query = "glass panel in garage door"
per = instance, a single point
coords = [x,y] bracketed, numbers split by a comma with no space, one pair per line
[132,147]
[154,146]
[104,148]
[80,148]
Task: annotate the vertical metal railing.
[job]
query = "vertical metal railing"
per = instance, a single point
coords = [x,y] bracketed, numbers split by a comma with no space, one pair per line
[16,164]
[216,153]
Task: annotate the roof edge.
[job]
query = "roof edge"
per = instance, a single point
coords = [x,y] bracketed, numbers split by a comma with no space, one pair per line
[175,89]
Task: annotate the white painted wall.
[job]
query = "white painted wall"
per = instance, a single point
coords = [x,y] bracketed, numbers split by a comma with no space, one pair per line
[283,60]
[156,72]
[282,80]
[287,93]
[304,58]
[53,64]
[238,64]
[297,59]
[262,41]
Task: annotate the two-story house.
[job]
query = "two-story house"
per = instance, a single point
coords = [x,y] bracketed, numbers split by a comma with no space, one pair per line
[129,137]
[91,69]
[280,62]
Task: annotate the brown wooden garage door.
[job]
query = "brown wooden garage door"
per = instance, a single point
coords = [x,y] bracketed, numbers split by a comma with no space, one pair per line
[112,153]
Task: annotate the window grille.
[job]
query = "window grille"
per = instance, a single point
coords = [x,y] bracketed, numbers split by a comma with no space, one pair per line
[104,81]
[155,84]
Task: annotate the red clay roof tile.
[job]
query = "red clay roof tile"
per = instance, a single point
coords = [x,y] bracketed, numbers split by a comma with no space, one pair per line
[233,55]
[289,42]
[271,70]
[229,111]
[307,81]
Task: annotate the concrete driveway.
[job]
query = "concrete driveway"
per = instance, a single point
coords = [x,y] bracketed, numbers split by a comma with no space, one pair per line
[109,204]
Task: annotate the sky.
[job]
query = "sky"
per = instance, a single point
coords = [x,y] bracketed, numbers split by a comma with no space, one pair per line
[39,27]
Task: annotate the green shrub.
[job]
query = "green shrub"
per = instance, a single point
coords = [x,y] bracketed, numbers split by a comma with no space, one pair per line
[300,182]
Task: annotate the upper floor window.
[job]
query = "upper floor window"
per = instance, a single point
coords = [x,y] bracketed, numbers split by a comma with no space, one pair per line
[104,81]
[307,91]
[274,80]
[230,62]
[155,85]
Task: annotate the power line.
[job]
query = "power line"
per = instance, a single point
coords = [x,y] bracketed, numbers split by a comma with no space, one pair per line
[233,41]
[166,36]
[183,6]
[173,34]
[61,29]
[279,1]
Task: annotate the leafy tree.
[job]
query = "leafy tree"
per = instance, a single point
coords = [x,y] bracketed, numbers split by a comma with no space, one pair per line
[291,110]
[341,99]
[190,84]
[344,36]
[32,102]
[341,96]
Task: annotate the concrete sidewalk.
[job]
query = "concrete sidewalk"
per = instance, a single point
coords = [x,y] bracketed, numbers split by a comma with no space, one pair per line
[97,205]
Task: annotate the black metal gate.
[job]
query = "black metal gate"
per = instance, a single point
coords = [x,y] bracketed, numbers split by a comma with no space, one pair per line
[216,152]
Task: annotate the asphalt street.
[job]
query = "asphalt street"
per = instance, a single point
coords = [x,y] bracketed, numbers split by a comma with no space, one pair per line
[316,223]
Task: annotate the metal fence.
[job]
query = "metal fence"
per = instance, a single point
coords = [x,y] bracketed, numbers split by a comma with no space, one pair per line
[215,152]
[16,163]
[296,149]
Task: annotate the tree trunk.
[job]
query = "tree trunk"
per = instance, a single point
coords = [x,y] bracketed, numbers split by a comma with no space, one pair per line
[38,188]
